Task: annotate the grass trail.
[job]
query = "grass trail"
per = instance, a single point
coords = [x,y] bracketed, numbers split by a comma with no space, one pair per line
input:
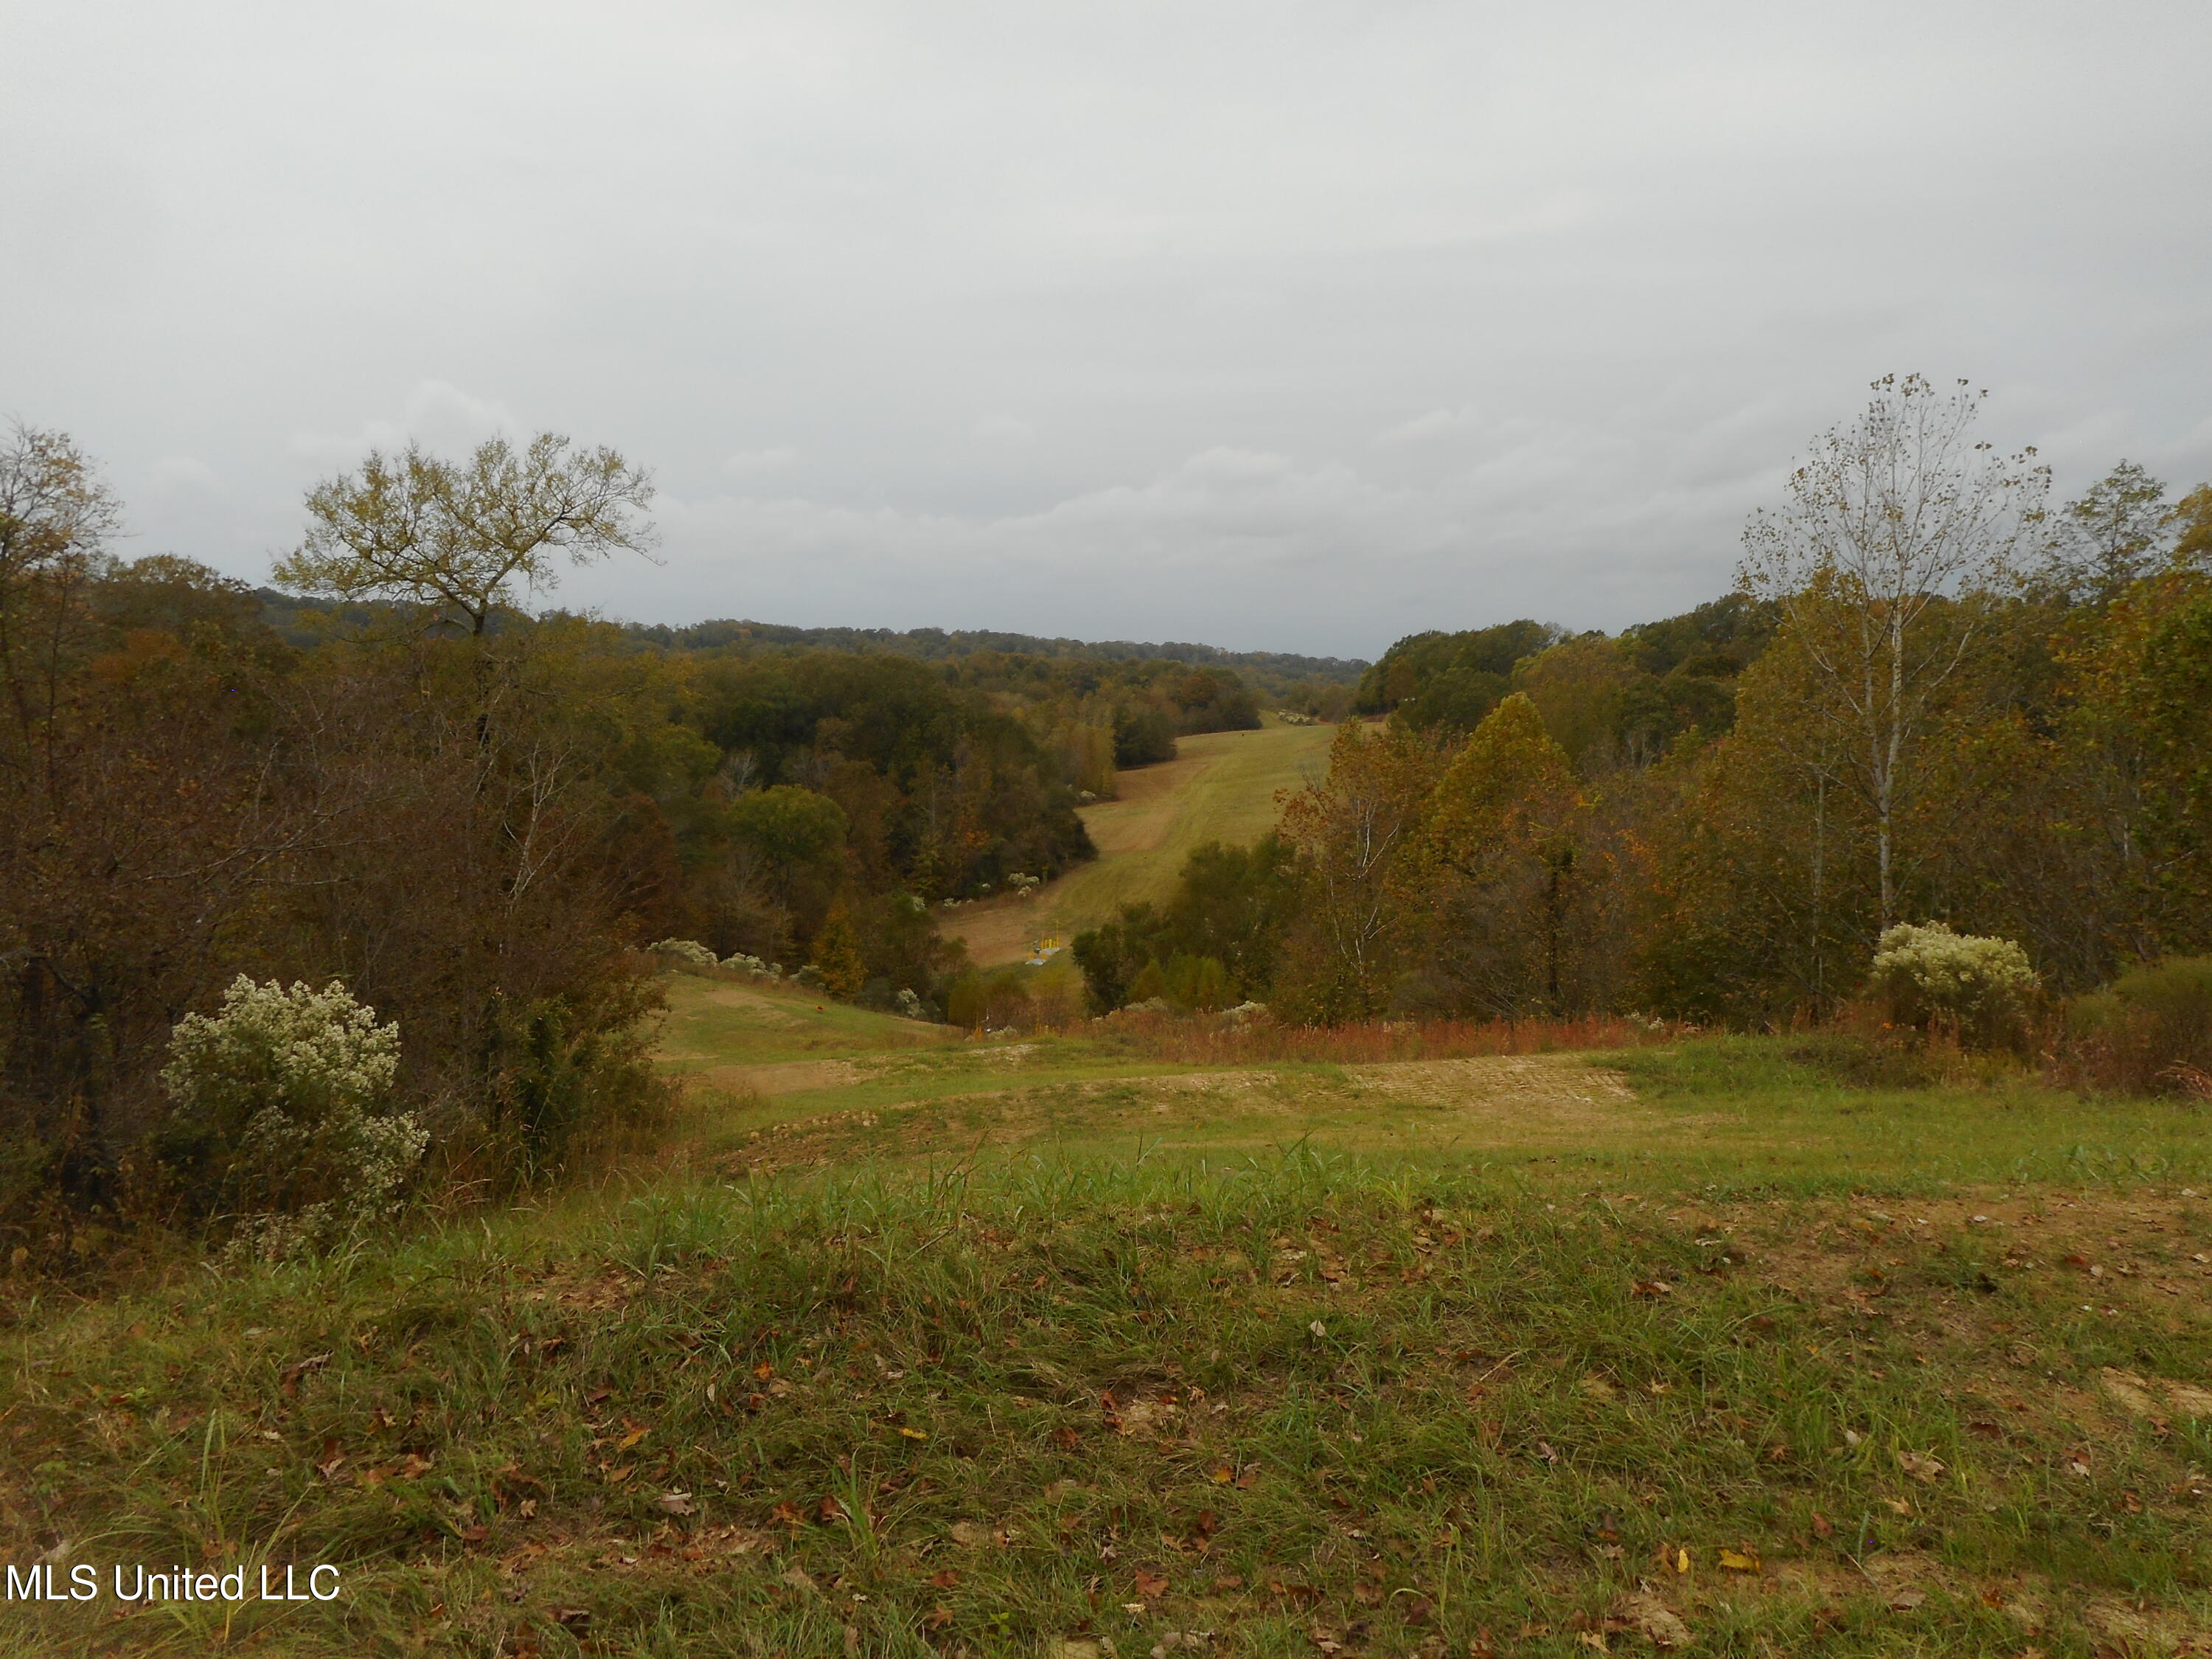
[1221,787]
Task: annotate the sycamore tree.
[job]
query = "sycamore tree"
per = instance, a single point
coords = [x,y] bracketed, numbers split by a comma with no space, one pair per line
[464,540]
[1353,831]
[1896,533]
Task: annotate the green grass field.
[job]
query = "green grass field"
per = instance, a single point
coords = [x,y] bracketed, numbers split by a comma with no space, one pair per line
[907,1344]
[1221,787]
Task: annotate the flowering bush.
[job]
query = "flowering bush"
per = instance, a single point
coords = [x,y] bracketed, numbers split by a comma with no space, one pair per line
[278,1095]
[685,950]
[1981,986]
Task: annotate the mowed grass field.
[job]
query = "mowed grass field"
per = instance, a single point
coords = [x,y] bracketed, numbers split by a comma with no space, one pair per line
[1220,786]
[908,1344]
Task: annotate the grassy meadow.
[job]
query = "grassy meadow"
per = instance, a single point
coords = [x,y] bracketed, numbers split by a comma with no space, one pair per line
[1220,786]
[1149,1340]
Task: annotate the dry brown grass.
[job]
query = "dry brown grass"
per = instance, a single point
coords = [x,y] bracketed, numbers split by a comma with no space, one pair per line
[1210,1040]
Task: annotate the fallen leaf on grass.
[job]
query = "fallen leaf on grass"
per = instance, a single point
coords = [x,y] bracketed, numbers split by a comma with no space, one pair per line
[1070,1647]
[1904,1601]
[294,1372]
[1822,1527]
[788,1514]
[675,1503]
[912,1434]
[575,1620]
[798,1578]
[828,1509]
[1921,1466]
[1150,1584]
[970,1534]
[1651,1287]
[1743,1560]
[937,1618]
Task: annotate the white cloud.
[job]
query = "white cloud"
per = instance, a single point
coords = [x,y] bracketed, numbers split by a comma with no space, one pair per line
[1425,428]
[184,472]
[755,463]
[435,414]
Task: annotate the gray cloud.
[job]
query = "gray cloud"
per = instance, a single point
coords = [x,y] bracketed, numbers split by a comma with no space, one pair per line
[1293,325]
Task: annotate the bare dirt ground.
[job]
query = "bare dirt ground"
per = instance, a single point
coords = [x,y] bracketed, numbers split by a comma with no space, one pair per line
[1542,1101]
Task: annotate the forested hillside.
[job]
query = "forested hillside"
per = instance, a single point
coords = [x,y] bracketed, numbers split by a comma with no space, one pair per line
[475,818]
[1937,698]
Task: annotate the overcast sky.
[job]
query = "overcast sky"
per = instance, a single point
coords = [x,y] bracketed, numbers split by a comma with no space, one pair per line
[1275,325]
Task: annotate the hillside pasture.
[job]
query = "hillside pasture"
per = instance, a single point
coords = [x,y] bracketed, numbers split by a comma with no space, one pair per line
[1068,1346]
[1220,786]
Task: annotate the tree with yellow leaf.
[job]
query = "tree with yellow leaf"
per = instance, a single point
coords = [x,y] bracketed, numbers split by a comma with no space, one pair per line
[1353,831]
[836,955]
[1505,859]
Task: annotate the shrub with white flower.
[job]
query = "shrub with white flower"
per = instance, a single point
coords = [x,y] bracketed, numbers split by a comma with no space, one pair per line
[685,950]
[290,1090]
[1981,985]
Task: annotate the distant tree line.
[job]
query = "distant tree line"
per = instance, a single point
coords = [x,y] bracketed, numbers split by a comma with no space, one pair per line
[938,644]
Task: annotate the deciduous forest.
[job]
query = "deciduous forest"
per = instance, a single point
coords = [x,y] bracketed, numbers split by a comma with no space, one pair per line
[1938,702]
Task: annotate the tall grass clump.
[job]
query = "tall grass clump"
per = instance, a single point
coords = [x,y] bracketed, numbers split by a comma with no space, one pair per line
[2150,1032]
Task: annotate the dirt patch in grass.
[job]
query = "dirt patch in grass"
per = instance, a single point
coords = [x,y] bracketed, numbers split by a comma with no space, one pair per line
[790,1077]
[1542,1101]
[1532,1096]
[764,1009]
